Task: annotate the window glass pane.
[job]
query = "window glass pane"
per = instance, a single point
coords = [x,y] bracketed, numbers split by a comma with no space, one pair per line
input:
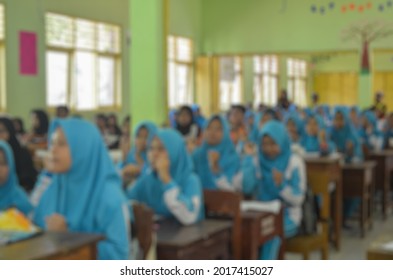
[57,77]
[274,65]
[106,82]
[84,82]
[257,65]
[181,85]
[171,48]
[183,50]
[59,30]
[85,34]
[108,38]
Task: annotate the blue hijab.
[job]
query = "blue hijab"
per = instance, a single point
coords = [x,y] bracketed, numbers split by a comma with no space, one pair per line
[298,123]
[252,129]
[198,118]
[311,142]
[278,132]
[83,193]
[151,191]
[347,133]
[229,160]
[151,130]
[11,194]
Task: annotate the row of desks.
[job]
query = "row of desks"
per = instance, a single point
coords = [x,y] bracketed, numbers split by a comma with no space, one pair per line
[207,240]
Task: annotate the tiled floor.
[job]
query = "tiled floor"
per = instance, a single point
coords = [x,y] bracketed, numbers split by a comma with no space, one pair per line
[353,247]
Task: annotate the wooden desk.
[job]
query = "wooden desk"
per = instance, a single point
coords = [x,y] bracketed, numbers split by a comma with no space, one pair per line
[331,167]
[376,250]
[53,246]
[384,161]
[257,228]
[358,182]
[207,240]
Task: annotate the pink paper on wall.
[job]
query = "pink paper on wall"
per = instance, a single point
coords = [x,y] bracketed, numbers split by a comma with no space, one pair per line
[28,53]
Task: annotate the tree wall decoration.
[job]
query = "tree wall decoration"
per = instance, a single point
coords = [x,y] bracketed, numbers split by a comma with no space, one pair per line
[367,32]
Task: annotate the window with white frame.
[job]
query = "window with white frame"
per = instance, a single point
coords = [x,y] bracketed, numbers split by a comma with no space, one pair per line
[230,82]
[2,60]
[297,81]
[265,80]
[82,63]
[180,71]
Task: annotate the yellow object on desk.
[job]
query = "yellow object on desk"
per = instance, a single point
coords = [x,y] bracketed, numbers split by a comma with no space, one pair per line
[13,220]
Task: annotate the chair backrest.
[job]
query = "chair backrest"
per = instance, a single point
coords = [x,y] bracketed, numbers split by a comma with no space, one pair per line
[144,223]
[225,203]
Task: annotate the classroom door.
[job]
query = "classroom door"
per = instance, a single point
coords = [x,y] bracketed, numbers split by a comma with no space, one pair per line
[337,88]
[383,81]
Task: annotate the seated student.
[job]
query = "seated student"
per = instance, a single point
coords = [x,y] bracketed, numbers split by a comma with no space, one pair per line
[186,125]
[200,120]
[238,130]
[354,114]
[11,194]
[280,175]
[345,137]
[19,128]
[171,189]
[315,140]
[40,121]
[125,141]
[85,191]
[25,170]
[252,128]
[136,162]
[371,137]
[388,132]
[295,128]
[62,112]
[324,112]
[263,117]
[113,130]
[216,161]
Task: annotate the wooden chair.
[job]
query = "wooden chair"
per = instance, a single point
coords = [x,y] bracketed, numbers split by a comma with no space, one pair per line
[143,227]
[305,244]
[226,204]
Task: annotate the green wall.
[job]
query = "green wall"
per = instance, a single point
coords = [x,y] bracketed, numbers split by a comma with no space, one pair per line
[185,19]
[233,26]
[27,92]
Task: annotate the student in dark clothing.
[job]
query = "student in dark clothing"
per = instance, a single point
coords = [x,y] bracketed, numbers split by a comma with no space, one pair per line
[19,129]
[27,175]
[114,130]
[39,131]
[62,112]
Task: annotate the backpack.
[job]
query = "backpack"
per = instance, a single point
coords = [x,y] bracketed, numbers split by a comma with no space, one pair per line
[311,214]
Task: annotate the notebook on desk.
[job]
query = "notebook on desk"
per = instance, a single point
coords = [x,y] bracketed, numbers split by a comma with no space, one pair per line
[8,237]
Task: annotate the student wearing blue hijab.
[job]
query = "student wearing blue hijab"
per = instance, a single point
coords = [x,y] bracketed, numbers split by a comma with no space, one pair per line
[171,189]
[355,115]
[11,193]
[279,175]
[263,117]
[295,127]
[372,138]
[345,137]
[216,160]
[251,125]
[315,139]
[199,119]
[136,162]
[85,193]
